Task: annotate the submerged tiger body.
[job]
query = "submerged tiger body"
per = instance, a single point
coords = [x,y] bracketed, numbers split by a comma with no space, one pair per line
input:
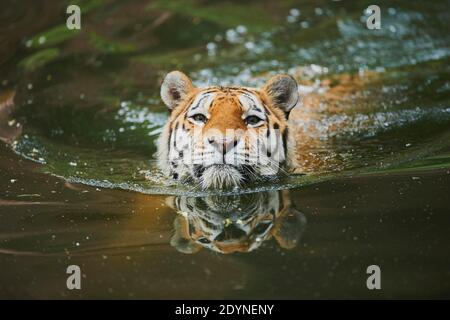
[222,137]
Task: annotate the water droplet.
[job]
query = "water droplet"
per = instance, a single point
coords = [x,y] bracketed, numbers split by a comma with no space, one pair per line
[295,12]
[42,40]
[211,47]
[241,29]
[249,45]
[318,11]
[291,19]
[304,24]
[392,11]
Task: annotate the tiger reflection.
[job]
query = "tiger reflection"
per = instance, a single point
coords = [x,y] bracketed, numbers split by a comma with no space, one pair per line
[228,224]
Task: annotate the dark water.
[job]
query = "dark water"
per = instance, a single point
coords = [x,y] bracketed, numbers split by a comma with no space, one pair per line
[80,112]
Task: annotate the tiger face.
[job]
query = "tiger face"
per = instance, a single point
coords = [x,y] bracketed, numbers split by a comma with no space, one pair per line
[222,137]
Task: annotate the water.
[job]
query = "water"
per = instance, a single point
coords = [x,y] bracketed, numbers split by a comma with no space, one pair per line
[80,114]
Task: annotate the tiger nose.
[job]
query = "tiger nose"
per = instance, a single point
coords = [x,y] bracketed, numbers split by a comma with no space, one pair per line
[222,144]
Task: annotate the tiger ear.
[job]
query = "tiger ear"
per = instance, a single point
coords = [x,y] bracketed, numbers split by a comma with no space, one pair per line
[289,227]
[175,87]
[282,89]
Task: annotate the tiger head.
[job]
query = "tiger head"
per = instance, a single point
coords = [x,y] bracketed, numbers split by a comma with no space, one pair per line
[221,137]
[239,223]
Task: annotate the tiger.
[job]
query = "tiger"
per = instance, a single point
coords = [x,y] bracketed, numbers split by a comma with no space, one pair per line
[225,136]
[228,224]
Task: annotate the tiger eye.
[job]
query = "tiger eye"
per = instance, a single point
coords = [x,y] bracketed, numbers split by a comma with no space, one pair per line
[199,117]
[252,120]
